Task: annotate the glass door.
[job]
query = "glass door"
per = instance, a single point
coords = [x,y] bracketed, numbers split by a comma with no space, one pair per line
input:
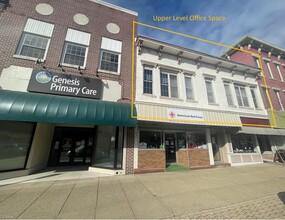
[216,149]
[170,148]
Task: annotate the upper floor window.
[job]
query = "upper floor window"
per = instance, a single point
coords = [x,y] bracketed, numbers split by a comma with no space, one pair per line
[228,93]
[210,90]
[189,88]
[279,72]
[265,97]
[147,80]
[110,55]
[256,60]
[279,100]
[241,96]
[269,69]
[35,39]
[254,98]
[168,85]
[75,48]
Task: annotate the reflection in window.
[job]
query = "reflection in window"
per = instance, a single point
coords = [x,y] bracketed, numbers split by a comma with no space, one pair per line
[242,143]
[181,140]
[15,139]
[196,141]
[150,139]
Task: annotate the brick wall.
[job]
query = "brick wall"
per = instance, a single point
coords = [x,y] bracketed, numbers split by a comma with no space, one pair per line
[14,18]
[194,158]
[130,151]
[151,161]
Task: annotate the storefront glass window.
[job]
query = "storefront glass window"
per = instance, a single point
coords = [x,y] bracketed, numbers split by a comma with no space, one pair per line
[195,140]
[108,147]
[15,140]
[181,140]
[150,139]
[242,143]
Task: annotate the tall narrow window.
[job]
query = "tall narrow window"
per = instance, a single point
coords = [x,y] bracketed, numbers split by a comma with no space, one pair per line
[228,94]
[269,69]
[279,100]
[254,99]
[147,81]
[256,60]
[75,48]
[110,55]
[35,39]
[189,88]
[265,97]
[210,90]
[241,96]
[279,72]
[168,85]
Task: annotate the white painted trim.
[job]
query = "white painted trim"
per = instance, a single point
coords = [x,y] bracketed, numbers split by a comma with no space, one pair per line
[115,7]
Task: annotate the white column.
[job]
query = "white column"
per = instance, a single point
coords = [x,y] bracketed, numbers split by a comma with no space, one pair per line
[209,144]
[136,148]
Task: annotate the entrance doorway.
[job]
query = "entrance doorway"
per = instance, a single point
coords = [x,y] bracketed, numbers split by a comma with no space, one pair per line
[216,149]
[264,143]
[71,146]
[170,148]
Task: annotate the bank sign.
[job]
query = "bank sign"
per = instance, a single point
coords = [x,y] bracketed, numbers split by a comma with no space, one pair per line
[64,84]
[184,114]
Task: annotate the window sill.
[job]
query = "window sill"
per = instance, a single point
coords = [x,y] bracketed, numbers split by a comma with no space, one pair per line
[109,72]
[242,107]
[215,104]
[73,66]
[232,106]
[27,58]
[272,78]
[149,95]
[170,98]
[191,101]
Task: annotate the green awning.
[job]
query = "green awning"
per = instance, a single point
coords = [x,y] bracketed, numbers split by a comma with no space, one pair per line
[35,107]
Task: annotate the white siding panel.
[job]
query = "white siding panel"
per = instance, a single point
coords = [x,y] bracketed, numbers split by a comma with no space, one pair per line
[112,45]
[77,37]
[39,27]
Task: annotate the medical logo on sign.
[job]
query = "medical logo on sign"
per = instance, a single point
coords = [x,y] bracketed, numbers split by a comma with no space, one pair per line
[171,114]
[43,77]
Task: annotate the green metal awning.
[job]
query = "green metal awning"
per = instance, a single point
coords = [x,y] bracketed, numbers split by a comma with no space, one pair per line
[35,107]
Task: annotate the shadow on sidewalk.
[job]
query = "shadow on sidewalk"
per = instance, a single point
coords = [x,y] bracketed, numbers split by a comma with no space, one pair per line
[281,196]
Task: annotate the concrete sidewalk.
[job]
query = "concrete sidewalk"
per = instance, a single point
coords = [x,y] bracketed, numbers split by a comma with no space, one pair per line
[234,192]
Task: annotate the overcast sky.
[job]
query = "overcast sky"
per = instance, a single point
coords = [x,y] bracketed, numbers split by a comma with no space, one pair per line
[264,19]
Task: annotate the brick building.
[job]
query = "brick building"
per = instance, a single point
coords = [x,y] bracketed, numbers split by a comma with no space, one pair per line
[65,68]
[273,96]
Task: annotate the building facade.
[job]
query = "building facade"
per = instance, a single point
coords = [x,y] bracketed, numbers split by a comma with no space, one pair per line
[192,107]
[271,85]
[65,68]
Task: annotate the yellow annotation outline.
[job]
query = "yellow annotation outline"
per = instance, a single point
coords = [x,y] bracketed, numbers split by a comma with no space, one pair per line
[206,41]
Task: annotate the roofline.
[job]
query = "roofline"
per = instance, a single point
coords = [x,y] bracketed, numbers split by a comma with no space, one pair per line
[115,7]
[194,51]
[255,39]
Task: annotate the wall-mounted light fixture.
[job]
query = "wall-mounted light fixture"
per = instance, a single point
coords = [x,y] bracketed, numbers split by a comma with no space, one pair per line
[39,61]
[60,65]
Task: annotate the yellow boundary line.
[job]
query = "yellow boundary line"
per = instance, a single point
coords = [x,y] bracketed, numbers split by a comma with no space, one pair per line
[206,41]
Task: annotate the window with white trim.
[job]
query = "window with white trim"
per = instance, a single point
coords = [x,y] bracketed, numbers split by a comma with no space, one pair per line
[147,80]
[35,39]
[279,72]
[269,69]
[253,96]
[265,97]
[110,59]
[279,100]
[241,96]
[75,48]
[256,62]
[210,90]
[168,85]
[189,88]
[228,93]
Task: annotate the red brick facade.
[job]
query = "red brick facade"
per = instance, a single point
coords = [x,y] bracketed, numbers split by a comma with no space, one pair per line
[194,158]
[151,161]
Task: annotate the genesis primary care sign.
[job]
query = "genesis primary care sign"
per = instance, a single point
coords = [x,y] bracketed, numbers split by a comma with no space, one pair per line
[64,84]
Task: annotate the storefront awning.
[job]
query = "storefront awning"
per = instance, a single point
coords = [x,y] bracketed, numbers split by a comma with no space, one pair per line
[262,131]
[35,107]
